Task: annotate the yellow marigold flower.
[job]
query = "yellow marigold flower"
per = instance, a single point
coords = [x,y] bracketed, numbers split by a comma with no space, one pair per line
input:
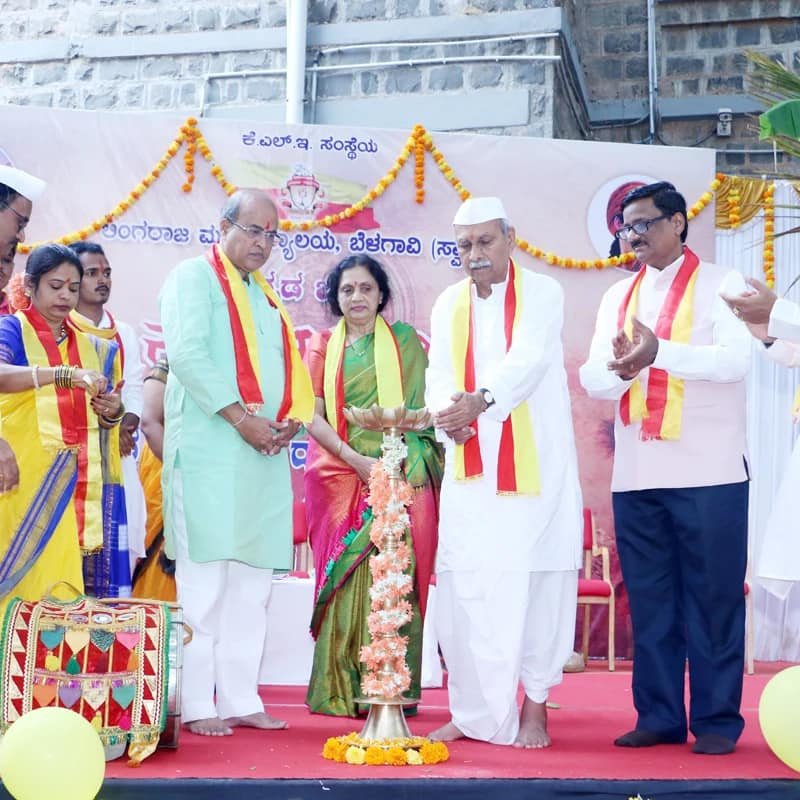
[375,756]
[434,752]
[396,756]
[413,758]
[355,755]
[330,749]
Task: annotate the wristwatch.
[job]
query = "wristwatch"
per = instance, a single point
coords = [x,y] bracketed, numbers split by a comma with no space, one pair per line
[488,397]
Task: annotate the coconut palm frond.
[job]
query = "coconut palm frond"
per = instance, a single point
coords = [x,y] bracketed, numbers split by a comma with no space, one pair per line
[788,145]
[771,81]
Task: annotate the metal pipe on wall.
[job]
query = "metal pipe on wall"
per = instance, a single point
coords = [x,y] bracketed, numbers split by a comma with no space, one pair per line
[296,33]
[652,71]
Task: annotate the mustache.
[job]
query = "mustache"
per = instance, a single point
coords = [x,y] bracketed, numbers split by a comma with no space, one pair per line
[482,263]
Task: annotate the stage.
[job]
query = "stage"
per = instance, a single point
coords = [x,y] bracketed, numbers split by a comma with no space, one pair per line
[593,708]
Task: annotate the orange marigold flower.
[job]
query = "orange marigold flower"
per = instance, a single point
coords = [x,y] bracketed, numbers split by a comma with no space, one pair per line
[434,752]
[375,756]
[396,757]
[187,187]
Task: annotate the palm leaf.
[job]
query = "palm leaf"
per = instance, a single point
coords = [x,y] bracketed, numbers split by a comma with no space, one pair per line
[771,81]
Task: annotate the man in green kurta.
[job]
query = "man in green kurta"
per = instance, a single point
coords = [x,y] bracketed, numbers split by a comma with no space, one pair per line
[227,495]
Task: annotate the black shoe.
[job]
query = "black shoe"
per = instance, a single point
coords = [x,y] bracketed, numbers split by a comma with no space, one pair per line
[638,738]
[712,744]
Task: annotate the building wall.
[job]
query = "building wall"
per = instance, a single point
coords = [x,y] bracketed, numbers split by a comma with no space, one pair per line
[143,55]
[702,67]
[147,55]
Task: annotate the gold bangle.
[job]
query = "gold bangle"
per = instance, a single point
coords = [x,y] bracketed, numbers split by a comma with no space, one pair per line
[35,377]
[244,416]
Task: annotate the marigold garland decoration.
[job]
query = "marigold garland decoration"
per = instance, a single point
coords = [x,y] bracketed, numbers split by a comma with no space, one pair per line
[418,143]
[705,198]
[768,199]
[735,209]
[419,163]
[416,751]
[188,135]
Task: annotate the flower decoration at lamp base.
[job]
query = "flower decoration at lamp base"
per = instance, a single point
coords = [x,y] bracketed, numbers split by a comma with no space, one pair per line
[414,751]
[385,738]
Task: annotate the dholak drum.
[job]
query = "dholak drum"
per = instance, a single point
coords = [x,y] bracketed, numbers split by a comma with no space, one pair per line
[179,635]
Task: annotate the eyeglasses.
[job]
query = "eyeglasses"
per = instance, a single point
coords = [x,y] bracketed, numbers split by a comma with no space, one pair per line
[22,220]
[254,232]
[640,227]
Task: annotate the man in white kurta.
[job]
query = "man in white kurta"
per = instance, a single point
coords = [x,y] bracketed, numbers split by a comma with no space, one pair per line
[680,480]
[95,293]
[776,323]
[506,564]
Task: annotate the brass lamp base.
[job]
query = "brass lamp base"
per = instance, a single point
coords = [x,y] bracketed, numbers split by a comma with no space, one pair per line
[386,719]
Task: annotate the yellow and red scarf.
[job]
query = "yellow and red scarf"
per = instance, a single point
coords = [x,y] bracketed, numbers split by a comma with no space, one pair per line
[661,411]
[388,373]
[64,418]
[84,325]
[518,459]
[298,395]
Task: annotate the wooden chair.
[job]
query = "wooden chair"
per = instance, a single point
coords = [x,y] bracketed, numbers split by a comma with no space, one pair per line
[595,591]
[302,551]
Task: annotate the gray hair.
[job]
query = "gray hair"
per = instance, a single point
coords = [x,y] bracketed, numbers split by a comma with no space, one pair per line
[230,210]
[505,226]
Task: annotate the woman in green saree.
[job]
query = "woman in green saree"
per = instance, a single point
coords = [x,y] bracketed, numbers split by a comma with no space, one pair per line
[360,362]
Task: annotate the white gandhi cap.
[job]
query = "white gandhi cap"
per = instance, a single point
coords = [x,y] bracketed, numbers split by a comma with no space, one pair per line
[21,182]
[479,209]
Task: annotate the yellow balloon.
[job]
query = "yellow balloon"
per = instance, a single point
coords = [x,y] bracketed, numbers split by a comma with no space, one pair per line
[778,712]
[49,753]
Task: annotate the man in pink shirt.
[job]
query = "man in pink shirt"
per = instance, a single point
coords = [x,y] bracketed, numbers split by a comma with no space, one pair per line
[671,354]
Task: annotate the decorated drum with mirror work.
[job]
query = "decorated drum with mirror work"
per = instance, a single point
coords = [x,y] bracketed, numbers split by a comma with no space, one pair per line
[116,662]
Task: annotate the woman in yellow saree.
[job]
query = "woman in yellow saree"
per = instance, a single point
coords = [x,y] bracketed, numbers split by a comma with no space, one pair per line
[360,362]
[51,397]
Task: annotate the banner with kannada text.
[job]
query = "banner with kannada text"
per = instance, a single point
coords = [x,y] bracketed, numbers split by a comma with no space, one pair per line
[562,197]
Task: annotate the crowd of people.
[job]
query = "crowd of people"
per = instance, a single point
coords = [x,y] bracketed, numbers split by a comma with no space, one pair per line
[671,348]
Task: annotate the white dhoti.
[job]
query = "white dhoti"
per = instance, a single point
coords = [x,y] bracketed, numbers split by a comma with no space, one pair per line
[497,628]
[225,604]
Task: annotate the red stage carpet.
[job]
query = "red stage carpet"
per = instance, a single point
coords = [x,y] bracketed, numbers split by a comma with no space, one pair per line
[594,707]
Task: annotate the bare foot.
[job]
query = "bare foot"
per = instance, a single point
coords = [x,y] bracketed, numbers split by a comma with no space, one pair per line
[447,733]
[212,726]
[532,726]
[258,720]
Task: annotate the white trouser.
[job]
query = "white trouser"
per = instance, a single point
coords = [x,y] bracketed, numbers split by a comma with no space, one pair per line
[136,510]
[225,604]
[495,630]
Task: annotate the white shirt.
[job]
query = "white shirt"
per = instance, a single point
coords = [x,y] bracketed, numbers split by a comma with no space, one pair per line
[478,528]
[784,352]
[713,364]
[132,371]
[784,320]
